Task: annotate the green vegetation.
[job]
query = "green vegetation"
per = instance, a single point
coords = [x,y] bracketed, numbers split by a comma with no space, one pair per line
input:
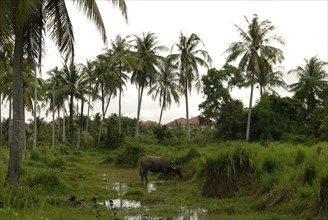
[227,180]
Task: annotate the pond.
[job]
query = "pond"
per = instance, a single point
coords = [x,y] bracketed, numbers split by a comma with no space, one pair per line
[121,208]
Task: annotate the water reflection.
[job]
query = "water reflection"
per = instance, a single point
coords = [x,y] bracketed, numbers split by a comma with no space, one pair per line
[122,203]
[186,213]
[151,187]
[121,188]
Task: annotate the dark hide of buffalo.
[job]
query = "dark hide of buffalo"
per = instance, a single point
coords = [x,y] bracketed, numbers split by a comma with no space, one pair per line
[157,165]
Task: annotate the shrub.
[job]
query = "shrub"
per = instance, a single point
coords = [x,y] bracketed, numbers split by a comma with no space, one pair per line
[227,173]
[35,155]
[310,173]
[323,195]
[130,156]
[300,156]
[47,181]
[190,155]
[269,165]
[58,163]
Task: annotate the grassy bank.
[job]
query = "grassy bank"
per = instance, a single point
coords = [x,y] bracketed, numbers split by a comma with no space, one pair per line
[231,180]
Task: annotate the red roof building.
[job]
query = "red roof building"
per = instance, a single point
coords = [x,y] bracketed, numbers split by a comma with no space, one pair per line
[194,121]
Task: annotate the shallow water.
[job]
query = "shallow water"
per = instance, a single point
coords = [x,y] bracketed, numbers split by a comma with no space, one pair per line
[120,206]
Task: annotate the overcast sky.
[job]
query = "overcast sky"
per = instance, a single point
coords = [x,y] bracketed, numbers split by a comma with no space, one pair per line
[303,24]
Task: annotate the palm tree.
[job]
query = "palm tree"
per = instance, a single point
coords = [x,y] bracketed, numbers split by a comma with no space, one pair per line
[166,86]
[312,82]
[106,83]
[255,45]
[144,73]
[72,84]
[269,77]
[16,16]
[88,70]
[120,54]
[188,58]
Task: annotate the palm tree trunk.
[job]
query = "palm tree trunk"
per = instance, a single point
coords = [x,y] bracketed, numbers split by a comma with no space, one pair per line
[136,134]
[161,114]
[120,104]
[187,114]
[10,122]
[81,126]
[58,125]
[0,121]
[53,118]
[250,110]
[18,127]
[34,112]
[87,119]
[64,126]
[71,122]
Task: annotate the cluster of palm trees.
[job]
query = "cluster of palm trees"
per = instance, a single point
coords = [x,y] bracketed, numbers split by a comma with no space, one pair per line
[23,25]
[106,76]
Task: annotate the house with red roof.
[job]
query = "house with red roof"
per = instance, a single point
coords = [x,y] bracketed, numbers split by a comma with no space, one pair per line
[193,121]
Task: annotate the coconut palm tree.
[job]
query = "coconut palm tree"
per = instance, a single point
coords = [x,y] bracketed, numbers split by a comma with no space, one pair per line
[188,58]
[269,77]
[120,55]
[144,73]
[312,82]
[88,69]
[72,85]
[16,16]
[166,85]
[106,84]
[254,45]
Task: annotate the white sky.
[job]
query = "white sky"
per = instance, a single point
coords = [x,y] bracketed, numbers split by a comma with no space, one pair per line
[303,24]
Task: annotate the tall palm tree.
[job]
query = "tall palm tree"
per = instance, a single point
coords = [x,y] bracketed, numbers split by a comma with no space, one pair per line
[188,58]
[120,55]
[166,85]
[106,84]
[254,45]
[269,77]
[88,69]
[144,73]
[16,16]
[73,84]
[312,82]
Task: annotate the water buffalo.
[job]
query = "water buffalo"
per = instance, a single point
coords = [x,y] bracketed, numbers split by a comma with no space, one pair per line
[157,165]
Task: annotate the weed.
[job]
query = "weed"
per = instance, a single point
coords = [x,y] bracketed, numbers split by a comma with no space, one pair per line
[310,173]
[47,181]
[130,156]
[300,156]
[227,174]
[323,195]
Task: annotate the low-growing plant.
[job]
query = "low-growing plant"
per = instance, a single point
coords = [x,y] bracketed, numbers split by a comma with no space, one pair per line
[47,181]
[227,173]
[269,165]
[130,156]
[323,195]
[300,156]
[310,173]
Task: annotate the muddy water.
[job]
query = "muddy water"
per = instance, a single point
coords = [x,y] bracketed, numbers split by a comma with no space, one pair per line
[119,207]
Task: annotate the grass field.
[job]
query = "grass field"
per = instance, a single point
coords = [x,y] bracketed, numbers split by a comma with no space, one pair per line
[281,182]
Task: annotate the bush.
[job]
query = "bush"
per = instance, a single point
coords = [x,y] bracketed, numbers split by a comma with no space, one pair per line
[190,155]
[300,157]
[35,155]
[130,156]
[310,173]
[47,181]
[227,173]
[269,165]
[323,195]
